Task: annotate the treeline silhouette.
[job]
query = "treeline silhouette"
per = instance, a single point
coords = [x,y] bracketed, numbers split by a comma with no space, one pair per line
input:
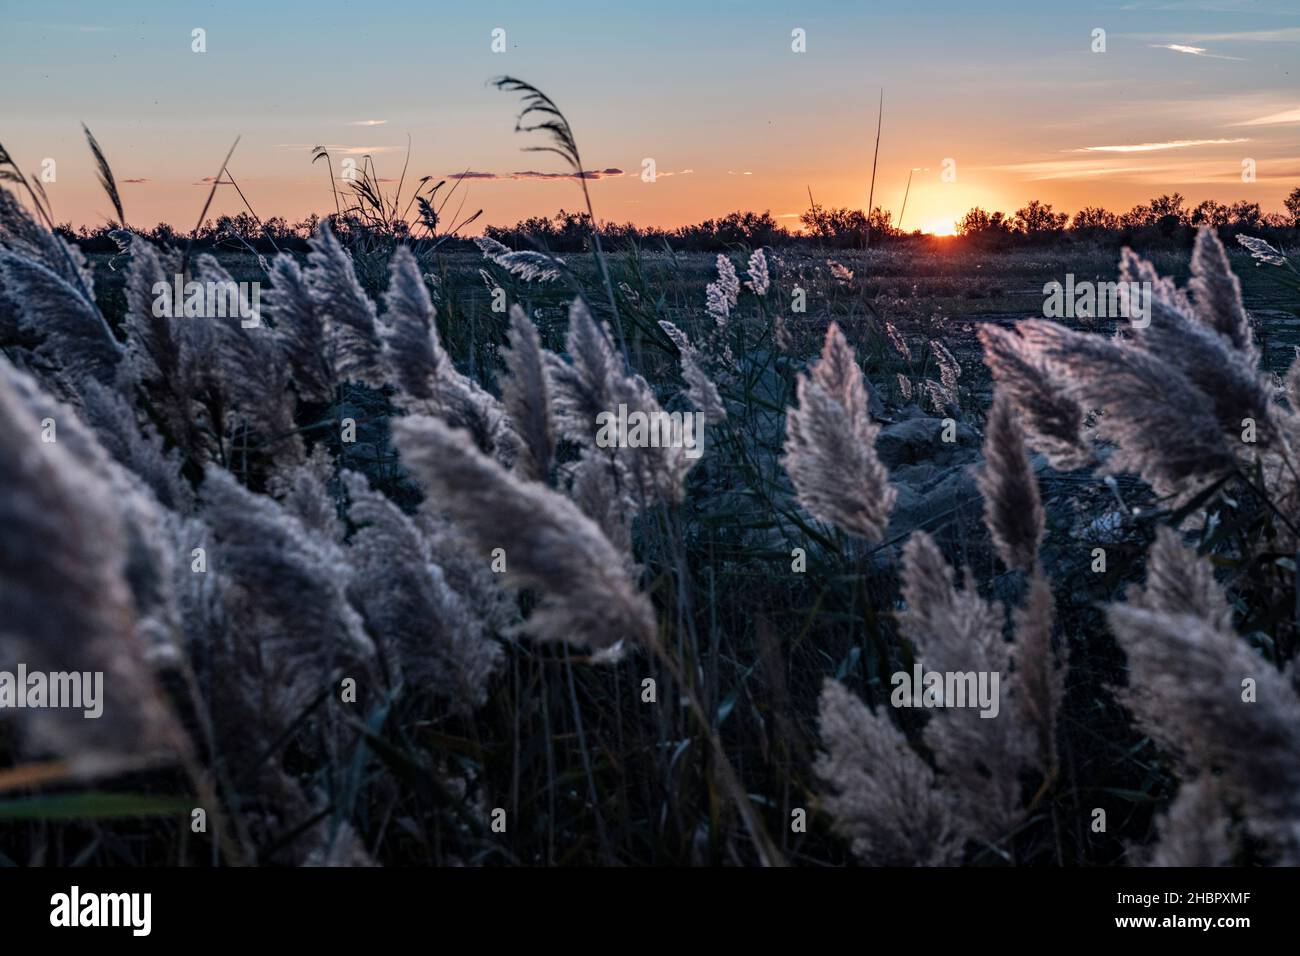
[1165,220]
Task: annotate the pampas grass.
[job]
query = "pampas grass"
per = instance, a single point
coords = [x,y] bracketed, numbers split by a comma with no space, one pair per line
[427,634]
[60,534]
[1051,419]
[1012,509]
[526,396]
[347,314]
[883,796]
[1192,674]
[429,382]
[548,543]
[830,445]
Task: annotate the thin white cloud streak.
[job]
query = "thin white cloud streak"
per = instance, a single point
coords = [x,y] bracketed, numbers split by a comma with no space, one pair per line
[344,150]
[1070,169]
[1273,119]
[1278,35]
[1192,51]
[1157,147]
[1166,175]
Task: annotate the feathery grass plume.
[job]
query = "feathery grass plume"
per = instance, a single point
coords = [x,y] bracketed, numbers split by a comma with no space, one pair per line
[949,370]
[1228,377]
[1261,251]
[1195,829]
[940,398]
[65,604]
[1013,512]
[1038,684]
[759,279]
[526,395]
[1181,582]
[144,527]
[1218,294]
[135,445]
[652,472]
[77,340]
[1192,673]
[168,356]
[541,114]
[426,634]
[841,273]
[428,383]
[897,341]
[292,627]
[1052,420]
[1205,353]
[549,543]
[106,179]
[300,328]
[830,452]
[597,487]
[253,372]
[883,797]
[1161,422]
[1137,271]
[153,340]
[303,490]
[410,331]
[528,265]
[1178,581]
[728,281]
[904,387]
[716,304]
[952,628]
[584,386]
[201,598]
[700,390]
[955,630]
[345,309]
[781,334]
[22,235]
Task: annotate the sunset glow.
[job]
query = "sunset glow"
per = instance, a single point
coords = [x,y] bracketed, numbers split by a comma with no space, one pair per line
[736,120]
[941,227]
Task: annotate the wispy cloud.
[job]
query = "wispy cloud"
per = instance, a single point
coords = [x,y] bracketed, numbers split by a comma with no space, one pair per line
[1186,171]
[534,174]
[1192,51]
[1070,169]
[368,122]
[135,181]
[585,174]
[343,150]
[1278,35]
[1157,147]
[1273,119]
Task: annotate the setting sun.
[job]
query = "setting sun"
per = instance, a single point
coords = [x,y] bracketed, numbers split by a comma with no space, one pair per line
[940,227]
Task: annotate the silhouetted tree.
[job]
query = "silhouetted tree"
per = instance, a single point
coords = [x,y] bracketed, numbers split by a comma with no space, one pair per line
[1037,218]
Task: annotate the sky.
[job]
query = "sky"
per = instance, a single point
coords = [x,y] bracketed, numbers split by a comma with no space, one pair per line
[985,103]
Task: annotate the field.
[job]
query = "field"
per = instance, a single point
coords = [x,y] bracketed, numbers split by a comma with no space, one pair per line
[560,654]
